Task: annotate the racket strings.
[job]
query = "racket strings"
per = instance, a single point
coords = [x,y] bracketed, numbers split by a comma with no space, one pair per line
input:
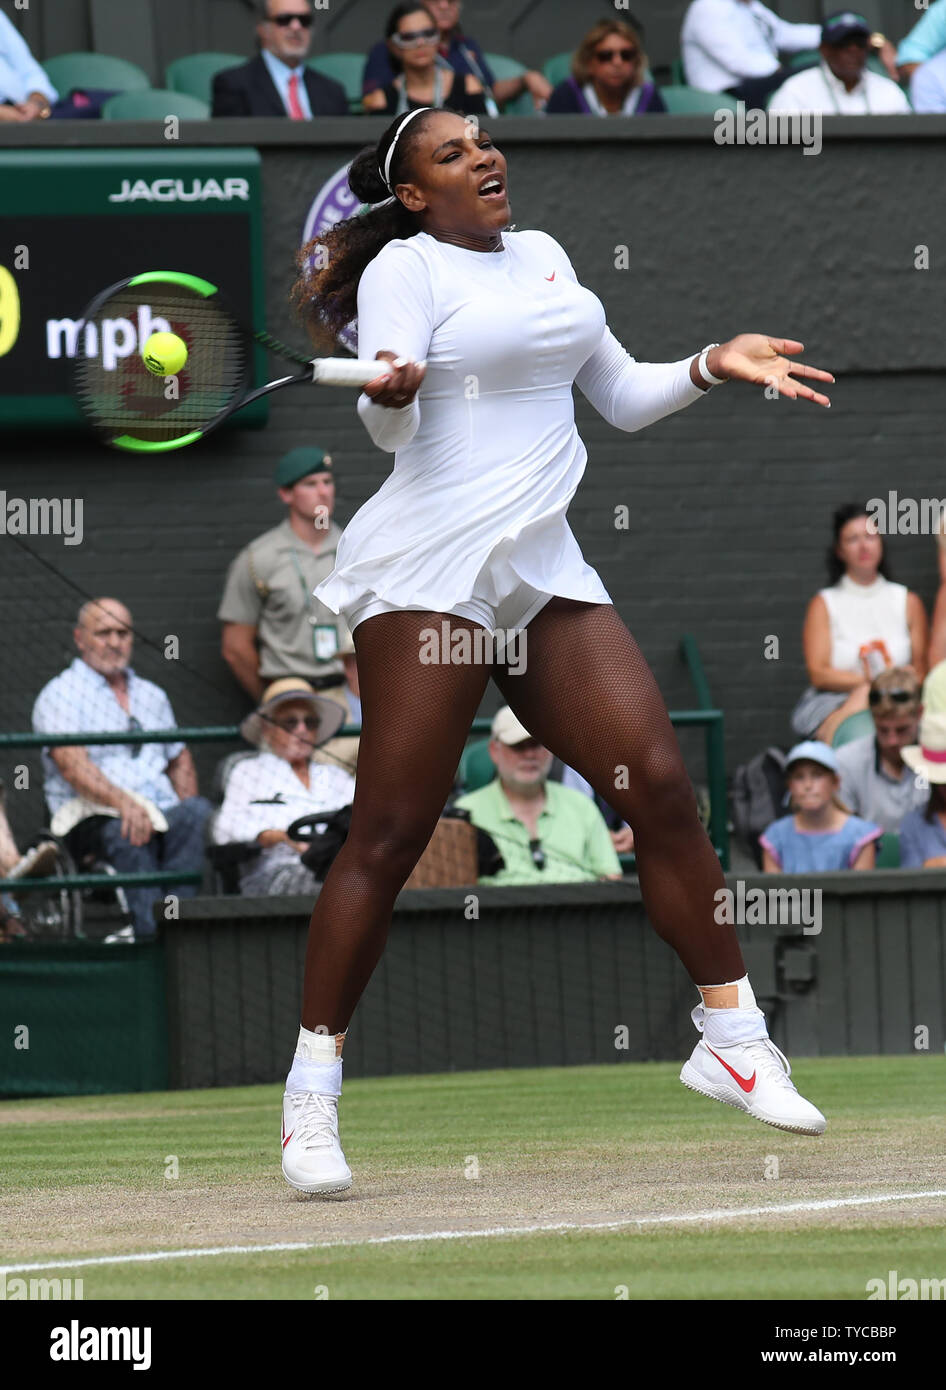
[122,397]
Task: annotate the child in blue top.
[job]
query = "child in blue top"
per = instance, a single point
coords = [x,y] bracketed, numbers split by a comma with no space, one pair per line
[821,835]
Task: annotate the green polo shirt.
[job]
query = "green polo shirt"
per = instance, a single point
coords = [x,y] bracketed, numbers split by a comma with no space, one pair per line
[269,587]
[571,830]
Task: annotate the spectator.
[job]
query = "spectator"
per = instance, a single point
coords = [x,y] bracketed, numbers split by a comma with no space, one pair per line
[924,41]
[923,832]
[26,93]
[622,836]
[276,82]
[875,781]
[928,85]
[272,624]
[134,804]
[546,833]
[820,835]
[266,793]
[733,46]
[855,627]
[342,751]
[464,55]
[936,651]
[423,78]
[841,84]
[609,75]
[37,862]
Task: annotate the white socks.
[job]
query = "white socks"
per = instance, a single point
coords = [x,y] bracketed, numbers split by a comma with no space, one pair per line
[315,1067]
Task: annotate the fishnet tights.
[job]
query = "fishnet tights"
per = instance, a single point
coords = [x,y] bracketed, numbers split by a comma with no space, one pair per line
[588,695]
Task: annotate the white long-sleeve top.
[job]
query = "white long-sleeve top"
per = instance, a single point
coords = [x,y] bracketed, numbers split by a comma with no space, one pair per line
[722,42]
[487,455]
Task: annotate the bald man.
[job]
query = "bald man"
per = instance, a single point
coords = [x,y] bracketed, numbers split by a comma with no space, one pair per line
[135,804]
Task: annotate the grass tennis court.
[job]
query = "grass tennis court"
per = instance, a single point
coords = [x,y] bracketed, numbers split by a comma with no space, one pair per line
[85,1177]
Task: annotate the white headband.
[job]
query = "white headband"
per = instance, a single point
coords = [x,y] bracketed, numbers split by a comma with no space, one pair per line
[386,171]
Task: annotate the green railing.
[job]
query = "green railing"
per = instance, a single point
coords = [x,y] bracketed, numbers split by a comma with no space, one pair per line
[705,716]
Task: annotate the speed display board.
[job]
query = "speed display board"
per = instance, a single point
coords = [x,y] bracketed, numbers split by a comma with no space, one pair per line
[75,221]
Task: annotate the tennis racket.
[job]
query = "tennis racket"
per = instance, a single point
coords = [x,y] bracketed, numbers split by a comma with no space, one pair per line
[131,408]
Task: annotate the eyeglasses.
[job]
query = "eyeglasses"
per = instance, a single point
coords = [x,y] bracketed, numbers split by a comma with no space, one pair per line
[899,697]
[134,728]
[526,746]
[290,721]
[538,853]
[610,55]
[415,38]
[284,20]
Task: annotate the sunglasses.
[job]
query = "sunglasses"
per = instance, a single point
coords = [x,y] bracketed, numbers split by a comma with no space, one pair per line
[538,853]
[134,728]
[899,697]
[610,55]
[284,20]
[415,38]
[290,722]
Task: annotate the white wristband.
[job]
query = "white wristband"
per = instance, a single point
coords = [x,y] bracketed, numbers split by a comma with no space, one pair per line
[705,372]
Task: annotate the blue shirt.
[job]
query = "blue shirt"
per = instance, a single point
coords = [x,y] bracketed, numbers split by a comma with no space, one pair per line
[20,73]
[280,72]
[928,85]
[379,71]
[801,852]
[920,840]
[926,37]
[80,699]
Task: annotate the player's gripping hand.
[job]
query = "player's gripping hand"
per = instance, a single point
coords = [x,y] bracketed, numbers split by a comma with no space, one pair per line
[399,388]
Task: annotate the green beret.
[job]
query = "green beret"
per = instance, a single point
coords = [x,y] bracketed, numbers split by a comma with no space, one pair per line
[299,463]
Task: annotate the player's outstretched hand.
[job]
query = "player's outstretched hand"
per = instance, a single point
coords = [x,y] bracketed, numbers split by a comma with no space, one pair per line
[764,361]
[400,387]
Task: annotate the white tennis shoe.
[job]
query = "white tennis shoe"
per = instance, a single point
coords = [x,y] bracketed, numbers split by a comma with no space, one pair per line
[312,1158]
[755,1077]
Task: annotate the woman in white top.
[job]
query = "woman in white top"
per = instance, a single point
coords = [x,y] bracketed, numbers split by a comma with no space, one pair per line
[859,625]
[486,331]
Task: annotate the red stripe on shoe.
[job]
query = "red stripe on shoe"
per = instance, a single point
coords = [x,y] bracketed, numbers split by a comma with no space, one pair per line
[746,1085]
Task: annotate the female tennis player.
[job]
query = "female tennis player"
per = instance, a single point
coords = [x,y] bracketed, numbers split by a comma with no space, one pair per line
[485,330]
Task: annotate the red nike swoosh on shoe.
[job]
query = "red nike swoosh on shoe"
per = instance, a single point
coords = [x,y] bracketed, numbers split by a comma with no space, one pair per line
[292,1132]
[550,277]
[746,1085]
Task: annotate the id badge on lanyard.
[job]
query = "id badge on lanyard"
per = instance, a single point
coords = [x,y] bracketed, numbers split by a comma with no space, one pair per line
[324,641]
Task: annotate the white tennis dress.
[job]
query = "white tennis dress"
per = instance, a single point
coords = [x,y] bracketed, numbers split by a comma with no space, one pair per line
[486,457]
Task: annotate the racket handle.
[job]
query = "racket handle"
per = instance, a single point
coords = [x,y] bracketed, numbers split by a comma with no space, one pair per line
[348,371]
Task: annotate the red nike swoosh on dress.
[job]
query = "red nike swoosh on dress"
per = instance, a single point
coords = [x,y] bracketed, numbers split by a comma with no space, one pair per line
[550,277]
[746,1085]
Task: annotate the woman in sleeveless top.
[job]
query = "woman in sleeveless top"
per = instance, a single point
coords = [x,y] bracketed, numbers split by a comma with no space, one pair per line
[861,623]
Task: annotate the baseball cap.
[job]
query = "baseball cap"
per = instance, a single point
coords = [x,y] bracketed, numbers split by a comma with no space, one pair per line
[844,25]
[299,463]
[814,752]
[507,729]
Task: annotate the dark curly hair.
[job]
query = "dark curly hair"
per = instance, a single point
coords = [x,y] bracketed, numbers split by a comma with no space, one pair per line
[330,265]
[836,566]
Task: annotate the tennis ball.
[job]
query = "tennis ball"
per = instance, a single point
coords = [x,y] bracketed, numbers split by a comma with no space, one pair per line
[164,354]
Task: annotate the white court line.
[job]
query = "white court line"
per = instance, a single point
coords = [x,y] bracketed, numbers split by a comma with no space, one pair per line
[829,1204]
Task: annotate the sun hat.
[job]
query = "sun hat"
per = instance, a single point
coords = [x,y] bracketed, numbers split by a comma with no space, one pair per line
[331,714]
[928,757]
